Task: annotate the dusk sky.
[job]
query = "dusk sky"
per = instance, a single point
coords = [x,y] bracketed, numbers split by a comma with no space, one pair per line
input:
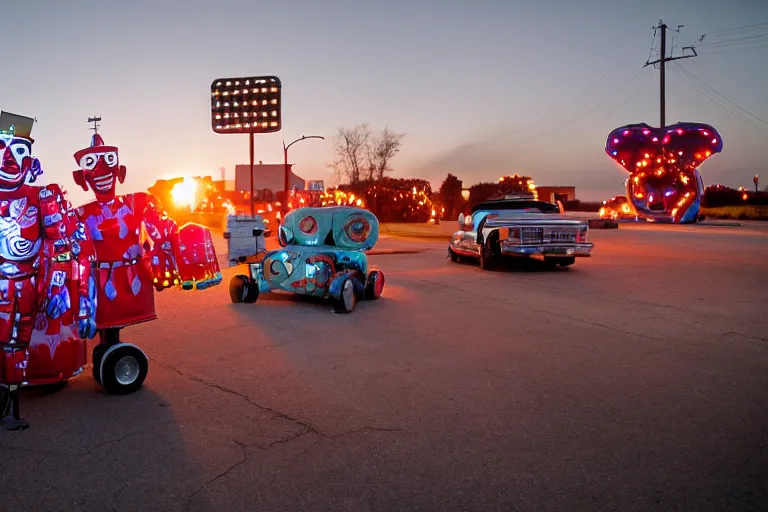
[480,88]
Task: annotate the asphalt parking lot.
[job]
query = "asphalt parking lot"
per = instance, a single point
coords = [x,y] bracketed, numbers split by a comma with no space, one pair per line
[635,380]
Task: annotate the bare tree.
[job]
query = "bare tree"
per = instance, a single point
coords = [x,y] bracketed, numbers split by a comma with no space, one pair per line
[381,150]
[351,147]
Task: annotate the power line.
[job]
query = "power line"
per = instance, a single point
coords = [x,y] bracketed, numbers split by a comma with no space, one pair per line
[734,51]
[704,84]
[738,29]
[739,40]
[564,105]
[630,98]
[714,100]
[569,121]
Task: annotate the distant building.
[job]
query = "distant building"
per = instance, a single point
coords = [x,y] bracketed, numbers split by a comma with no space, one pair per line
[554,194]
[266,177]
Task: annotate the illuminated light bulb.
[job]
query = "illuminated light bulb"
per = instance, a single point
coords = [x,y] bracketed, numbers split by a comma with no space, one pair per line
[707,153]
[359,202]
[655,139]
[626,132]
[638,164]
[714,141]
[236,91]
[706,134]
[155,279]
[680,153]
[658,160]
[263,102]
[679,131]
[646,132]
[274,113]
[647,155]
[273,124]
[615,141]
[274,102]
[166,283]
[228,84]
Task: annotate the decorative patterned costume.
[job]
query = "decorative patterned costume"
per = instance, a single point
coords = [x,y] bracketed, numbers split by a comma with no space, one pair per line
[138,251]
[45,283]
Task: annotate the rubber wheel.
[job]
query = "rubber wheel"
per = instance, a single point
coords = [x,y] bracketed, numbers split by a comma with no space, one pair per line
[243,289]
[564,262]
[96,356]
[454,256]
[347,299]
[123,369]
[486,258]
[374,287]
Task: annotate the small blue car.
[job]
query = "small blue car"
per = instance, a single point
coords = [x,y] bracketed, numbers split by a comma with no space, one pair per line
[322,255]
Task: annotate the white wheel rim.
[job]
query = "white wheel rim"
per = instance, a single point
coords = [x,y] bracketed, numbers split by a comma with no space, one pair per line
[348,294]
[127,370]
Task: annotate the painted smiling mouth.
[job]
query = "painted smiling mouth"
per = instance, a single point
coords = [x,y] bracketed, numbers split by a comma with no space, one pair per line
[103,183]
[13,178]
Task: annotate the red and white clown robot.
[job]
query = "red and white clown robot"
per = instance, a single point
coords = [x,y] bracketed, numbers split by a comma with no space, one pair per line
[46,290]
[138,251]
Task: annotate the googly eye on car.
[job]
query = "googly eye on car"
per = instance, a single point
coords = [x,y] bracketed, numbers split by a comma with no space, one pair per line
[308,225]
[357,228]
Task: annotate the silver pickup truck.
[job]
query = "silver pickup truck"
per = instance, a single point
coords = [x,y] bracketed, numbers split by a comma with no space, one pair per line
[519,227]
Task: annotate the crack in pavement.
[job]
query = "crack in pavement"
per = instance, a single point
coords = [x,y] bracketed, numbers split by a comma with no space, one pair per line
[757,338]
[545,311]
[222,474]
[307,427]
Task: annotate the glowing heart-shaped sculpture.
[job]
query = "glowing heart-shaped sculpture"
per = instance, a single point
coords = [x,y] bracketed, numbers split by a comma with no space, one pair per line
[664,183]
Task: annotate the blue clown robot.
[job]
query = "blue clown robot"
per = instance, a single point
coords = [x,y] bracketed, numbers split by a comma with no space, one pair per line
[322,256]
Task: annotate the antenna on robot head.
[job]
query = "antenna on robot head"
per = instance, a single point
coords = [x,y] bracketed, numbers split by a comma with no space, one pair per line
[95,121]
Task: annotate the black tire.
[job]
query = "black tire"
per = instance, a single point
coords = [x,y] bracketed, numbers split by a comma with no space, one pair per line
[487,258]
[123,369]
[454,257]
[96,356]
[243,289]
[374,287]
[347,299]
[565,262]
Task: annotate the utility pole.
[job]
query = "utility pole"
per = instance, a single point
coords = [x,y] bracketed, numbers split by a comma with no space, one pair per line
[95,121]
[661,61]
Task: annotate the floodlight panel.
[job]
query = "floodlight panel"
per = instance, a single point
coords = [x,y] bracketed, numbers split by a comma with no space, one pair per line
[246,105]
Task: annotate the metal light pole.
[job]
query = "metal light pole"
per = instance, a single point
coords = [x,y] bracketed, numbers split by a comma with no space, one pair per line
[287,184]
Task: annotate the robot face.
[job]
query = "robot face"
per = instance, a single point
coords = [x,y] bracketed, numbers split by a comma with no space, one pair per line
[15,160]
[341,226]
[99,168]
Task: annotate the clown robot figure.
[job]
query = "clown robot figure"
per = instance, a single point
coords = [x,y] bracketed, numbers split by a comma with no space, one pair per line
[139,249]
[47,296]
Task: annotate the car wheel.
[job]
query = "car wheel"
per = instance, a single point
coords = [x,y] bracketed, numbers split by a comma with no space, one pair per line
[454,257]
[487,259]
[564,262]
[243,289]
[347,299]
[374,287]
[123,369]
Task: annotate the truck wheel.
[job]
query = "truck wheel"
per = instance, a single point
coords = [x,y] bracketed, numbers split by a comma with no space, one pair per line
[375,285]
[123,369]
[243,289]
[347,300]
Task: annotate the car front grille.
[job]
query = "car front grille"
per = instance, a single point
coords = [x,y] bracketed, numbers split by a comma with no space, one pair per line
[549,235]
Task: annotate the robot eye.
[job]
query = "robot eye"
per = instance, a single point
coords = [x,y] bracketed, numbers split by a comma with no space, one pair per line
[308,225]
[88,162]
[274,268]
[357,229]
[110,159]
